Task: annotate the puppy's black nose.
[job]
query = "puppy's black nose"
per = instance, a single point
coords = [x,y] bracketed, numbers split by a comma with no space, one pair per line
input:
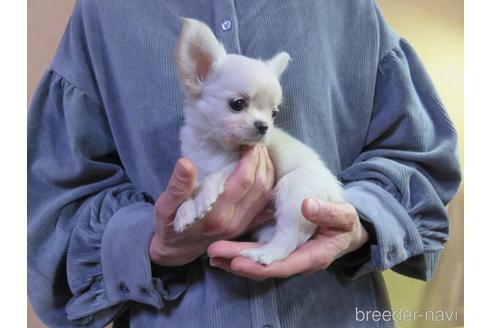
[261,127]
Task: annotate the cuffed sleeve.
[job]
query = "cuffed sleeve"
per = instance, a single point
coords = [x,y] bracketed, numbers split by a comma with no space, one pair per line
[108,252]
[407,172]
[126,241]
[108,262]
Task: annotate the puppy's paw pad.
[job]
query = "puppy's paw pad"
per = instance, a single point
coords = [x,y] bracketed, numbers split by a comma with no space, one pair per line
[185,216]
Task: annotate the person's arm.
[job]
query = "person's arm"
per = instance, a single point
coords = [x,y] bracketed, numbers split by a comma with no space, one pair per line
[90,230]
[408,170]
[92,234]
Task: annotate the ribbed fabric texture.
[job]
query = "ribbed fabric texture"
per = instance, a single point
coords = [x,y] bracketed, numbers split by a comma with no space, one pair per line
[103,138]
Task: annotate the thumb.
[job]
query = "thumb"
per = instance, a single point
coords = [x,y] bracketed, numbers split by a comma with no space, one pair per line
[312,210]
[179,187]
[337,215]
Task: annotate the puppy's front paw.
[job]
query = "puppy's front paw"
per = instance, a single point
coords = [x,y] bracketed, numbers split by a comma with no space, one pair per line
[185,216]
[206,199]
[267,254]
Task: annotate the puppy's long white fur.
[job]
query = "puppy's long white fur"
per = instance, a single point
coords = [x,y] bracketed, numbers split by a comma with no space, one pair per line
[212,134]
[300,174]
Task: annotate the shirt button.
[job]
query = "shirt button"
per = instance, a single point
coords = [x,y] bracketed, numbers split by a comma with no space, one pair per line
[267,326]
[226,25]
[391,253]
[123,287]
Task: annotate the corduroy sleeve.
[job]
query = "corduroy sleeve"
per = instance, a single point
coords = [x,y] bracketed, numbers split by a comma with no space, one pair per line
[407,172]
[89,229]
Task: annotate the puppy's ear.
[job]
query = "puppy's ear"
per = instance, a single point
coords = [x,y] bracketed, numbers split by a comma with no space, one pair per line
[197,55]
[278,63]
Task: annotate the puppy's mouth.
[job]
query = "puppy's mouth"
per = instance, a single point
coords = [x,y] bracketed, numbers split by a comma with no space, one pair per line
[253,140]
[246,136]
[249,136]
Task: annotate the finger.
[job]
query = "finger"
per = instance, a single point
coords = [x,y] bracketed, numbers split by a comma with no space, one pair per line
[220,263]
[243,177]
[270,167]
[336,215]
[178,189]
[227,222]
[226,266]
[308,273]
[218,221]
[224,219]
[229,249]
[263,183]
[256,198]
[308,258]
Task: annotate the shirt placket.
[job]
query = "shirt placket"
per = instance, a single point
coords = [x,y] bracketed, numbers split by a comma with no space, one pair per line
[262,300]
[263,304]
[226,25]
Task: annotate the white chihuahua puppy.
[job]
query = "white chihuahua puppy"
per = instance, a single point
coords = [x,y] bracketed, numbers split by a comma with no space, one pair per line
[232,101]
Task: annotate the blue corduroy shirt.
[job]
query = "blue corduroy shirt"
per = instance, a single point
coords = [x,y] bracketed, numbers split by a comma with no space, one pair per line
[103,137]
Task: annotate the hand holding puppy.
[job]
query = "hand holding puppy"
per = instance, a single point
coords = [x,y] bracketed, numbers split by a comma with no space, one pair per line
[340,232]
[232,101]
[240,207]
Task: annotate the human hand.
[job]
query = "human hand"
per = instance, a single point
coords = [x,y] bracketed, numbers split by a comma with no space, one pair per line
[340,232]
[240,208]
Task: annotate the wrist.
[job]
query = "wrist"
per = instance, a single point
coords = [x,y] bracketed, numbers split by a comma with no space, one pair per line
[155,253]
[159,254]
[167,256]
[361,237]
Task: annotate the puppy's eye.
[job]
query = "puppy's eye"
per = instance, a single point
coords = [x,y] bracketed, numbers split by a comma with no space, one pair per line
[237,104]
[274,112]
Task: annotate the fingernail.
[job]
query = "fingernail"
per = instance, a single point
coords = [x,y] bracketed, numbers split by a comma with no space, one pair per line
[312,207]
[183,169]
[212,262]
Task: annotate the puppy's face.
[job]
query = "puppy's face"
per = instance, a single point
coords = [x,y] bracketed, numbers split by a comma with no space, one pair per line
[234,99]
[239,100]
